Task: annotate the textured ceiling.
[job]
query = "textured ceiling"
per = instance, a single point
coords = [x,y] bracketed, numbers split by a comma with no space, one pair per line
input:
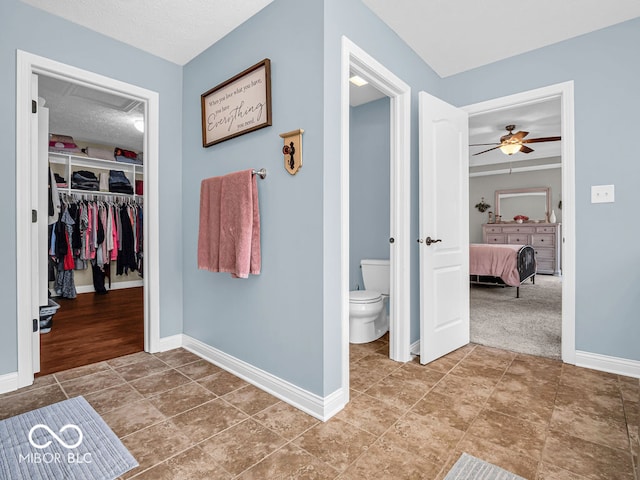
[91,116]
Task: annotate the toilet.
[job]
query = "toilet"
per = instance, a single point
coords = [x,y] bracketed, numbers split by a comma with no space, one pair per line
[368,315]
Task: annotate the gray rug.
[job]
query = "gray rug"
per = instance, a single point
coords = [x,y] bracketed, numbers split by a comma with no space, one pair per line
[67,440]
[530,324]
[469,467]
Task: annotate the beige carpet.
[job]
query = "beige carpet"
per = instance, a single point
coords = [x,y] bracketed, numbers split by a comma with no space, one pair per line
[530,324]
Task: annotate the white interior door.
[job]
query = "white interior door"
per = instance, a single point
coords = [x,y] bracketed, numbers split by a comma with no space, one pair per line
[444,228]
[39,204]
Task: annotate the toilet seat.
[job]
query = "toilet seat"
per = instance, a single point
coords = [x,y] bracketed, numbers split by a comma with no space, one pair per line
[363,297]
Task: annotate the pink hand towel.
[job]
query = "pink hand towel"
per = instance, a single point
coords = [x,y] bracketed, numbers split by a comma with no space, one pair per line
[229,235]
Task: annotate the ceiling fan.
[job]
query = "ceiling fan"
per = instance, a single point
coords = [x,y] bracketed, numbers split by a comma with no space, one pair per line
[514,142]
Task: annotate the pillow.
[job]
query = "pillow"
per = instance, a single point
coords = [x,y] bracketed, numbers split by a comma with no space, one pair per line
[54,137]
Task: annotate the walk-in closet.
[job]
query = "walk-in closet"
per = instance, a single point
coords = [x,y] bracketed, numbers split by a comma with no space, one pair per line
[95,238]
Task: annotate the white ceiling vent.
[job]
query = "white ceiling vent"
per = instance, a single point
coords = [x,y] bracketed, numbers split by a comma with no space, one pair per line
[105,99]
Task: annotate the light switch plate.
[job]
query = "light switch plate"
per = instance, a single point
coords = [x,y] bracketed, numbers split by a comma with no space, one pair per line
[602,193]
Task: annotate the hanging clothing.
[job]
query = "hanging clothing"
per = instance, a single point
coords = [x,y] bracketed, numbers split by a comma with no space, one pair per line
[94,232]
[127,255]
[64,283]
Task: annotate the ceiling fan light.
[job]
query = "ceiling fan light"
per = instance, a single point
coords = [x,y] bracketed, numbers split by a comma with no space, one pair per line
[510,148]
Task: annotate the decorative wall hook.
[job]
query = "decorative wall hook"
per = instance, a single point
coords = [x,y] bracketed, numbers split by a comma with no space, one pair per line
[482,206]
[292,150]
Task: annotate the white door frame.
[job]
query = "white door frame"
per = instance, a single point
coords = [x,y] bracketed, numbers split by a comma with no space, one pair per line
[565,92]
[28,64]
[357,60]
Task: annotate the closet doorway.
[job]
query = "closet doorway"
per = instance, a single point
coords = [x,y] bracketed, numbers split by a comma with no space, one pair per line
[95,274]
[89,87]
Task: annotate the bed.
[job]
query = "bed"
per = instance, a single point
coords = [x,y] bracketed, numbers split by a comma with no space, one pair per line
[502,264]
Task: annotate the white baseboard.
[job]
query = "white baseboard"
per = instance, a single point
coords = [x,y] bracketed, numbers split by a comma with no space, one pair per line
[322,408]
[605,363]
[595,361]
[169,343]
[114,286]
[8,382]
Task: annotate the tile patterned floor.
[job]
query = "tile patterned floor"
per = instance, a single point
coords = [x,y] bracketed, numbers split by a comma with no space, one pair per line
[183,418]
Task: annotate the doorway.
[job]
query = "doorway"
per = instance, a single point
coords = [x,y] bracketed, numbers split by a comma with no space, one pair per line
[357,61]
[563,95]
[29,66]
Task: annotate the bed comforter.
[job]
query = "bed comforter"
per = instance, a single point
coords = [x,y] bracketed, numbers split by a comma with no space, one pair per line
[495,260]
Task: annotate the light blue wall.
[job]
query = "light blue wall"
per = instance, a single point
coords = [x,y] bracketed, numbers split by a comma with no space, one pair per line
[605,68]
[369,179]
[274,320]
[32,30]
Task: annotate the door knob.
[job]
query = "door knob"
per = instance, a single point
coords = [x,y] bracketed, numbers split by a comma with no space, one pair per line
[429,241]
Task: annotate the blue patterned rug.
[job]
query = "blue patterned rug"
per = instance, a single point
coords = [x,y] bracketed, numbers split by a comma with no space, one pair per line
[469,467]
[66,440]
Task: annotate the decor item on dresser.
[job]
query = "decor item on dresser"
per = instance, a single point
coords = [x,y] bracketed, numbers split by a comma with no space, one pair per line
[502,264]
[543,237]
[237,106]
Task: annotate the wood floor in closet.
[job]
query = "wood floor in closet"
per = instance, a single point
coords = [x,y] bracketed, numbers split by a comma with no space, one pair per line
[92,328]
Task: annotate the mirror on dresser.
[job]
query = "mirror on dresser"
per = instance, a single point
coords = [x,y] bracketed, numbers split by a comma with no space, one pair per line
[543,236]
[534,202]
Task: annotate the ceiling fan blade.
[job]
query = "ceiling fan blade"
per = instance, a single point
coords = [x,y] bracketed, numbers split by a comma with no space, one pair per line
[481,144]
[525,149]
[485,151]
[519,136]
[542,139]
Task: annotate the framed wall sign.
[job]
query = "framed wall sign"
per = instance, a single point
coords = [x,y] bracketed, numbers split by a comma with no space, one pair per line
[240,105]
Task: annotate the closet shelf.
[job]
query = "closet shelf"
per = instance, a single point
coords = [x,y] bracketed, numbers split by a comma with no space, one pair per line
[88,162]
[77,191]
[73,163]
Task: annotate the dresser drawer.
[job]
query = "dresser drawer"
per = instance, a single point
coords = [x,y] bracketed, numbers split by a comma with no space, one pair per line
[493,229]
[514,229]
[496,239]
[518,238]
[542,240]
[545,229]
[544,266]
[544,254]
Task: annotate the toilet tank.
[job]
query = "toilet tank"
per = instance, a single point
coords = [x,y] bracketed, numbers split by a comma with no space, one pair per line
[375,274]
